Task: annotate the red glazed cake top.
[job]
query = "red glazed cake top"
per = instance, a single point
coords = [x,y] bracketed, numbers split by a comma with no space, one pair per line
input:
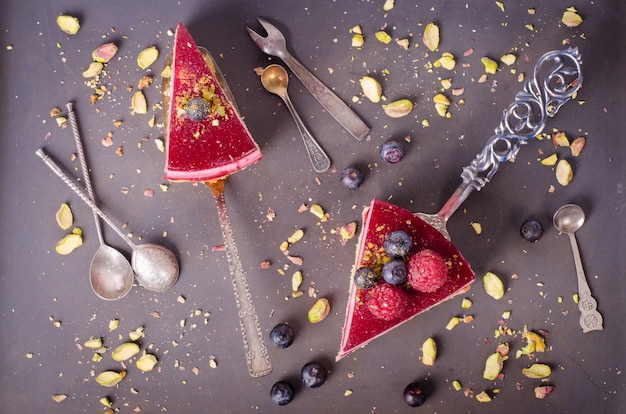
[206,140]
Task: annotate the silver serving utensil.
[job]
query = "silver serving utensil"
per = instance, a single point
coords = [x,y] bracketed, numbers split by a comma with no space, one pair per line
[110,274]
[275,80]
[568,219]
[155,266]
[274,44]
[556,78]
[257,356]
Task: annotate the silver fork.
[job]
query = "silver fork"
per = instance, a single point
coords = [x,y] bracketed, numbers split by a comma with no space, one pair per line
[274,44]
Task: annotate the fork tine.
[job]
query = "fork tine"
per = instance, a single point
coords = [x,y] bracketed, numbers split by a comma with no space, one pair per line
[254,35]
[272,31]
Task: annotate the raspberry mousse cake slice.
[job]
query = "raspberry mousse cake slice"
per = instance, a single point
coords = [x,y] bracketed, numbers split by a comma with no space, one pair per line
[206,139]
[427,270]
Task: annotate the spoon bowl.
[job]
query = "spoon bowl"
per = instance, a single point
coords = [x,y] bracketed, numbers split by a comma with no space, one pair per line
[156,267]
[569,218]
[110,274]
[275,80]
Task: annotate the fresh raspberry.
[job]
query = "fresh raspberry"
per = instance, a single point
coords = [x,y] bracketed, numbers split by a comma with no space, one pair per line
[427,271]
[386,301]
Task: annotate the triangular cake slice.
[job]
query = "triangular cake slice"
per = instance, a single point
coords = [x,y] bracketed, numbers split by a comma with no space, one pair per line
[206,140]
[379,220]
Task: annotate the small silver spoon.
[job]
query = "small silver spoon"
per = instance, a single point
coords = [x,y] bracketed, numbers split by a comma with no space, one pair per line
[275,79]
[155,266]
[568,219]
[110,274]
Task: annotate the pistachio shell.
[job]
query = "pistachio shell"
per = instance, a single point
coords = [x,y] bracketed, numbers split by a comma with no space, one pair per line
[146,362]
[483,397]
[59,397]
[93,343]
[383,37]
[106,402]
[559,139]
[429,352]
[296,281]
[508,59]
[388,5]
[319,311]
[69,243]
[104,53]
[399,108]
[318,212]
[136,334]
[491,66]
[441,98]
[577,146]
[431,36]
[564,172]
[139,104]
[147,57]
[296,236]
[550,160]
[93,70]
[110,378]
[493,366]
[571,18]
[403,43]
[69,24]
[371,88]
[357,40]
[447,61]
[493,285]
[454,321]
[537,371]
[64,217]
[442,110]
[125,351]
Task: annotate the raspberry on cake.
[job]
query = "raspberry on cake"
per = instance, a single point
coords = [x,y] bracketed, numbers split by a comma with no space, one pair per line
[427,271]
[386,301]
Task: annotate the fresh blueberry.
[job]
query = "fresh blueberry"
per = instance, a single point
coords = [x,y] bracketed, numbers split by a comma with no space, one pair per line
[365,278]
[282,335]
[198,109]
[395,272]
[413,395]
[531,230]
[392,151]
[351,178]
[282,392]
[313,374]
[398,245]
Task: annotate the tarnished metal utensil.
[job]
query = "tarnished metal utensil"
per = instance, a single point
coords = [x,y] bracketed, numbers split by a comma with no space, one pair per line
[556,78]
[275,79]
[274,44]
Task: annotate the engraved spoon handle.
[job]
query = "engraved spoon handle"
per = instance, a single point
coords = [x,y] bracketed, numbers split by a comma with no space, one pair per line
[590,318]
[257,356]
[319,159]
[83,166]
[557,77]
